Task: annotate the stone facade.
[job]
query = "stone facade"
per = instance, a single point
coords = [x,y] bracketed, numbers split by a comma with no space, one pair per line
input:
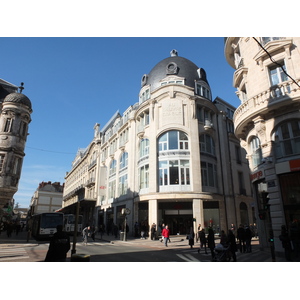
[170,158]
[15,111]
[47,198]
[267,123]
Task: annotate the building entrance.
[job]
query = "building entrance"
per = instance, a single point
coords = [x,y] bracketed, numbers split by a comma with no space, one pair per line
[179,224]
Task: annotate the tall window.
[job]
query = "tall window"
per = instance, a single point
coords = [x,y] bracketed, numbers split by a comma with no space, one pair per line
[203,90]
[207,144]
[256,151]
[113,167]
[144,177]
[112,189]
[144,147]
[123,160]
[173,140]
[287,139]
[8,125]
[209,174]
[123,185]
[2,156]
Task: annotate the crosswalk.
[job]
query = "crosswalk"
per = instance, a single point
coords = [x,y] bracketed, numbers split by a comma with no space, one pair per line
[13,254]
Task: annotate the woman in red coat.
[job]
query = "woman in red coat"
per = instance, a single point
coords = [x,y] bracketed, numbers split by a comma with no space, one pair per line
[166,235]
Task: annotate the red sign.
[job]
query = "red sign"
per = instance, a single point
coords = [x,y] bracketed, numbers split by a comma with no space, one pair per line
[294,165]
[256,176]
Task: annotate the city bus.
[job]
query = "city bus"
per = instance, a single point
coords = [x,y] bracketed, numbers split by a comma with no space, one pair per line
[69,223]
[43,225]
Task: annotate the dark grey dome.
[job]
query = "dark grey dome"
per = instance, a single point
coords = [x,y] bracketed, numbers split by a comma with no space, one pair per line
[174,65]
[18,98]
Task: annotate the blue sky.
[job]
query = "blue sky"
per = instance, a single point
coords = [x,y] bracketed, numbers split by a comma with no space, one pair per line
[74,83]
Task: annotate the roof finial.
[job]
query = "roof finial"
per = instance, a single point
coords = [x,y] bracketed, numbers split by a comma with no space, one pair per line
[21,88]
[174,52]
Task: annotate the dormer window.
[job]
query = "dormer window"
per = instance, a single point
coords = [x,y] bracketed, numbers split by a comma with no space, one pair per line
[145,95]
[203,90]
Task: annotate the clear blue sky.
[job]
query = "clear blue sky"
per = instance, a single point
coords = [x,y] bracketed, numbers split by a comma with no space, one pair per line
[74,83]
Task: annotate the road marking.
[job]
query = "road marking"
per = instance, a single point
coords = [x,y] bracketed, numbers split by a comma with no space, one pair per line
[189,257]
[13,254]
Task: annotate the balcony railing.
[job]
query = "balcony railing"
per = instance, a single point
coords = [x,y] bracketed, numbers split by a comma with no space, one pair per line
[265,99]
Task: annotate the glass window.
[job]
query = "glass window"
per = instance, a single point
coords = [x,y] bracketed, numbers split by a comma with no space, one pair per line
[144,147]
[170,170]
[207,144]
[8,125]
[277,75]
[2,156]
[209,174]
[123,185]
[144,176]
[287,139]
[256,151]
[113,167]
[123,160]
[173,140]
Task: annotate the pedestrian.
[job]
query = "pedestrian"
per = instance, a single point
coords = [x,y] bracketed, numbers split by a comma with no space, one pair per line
[59,246]
[232,244]
[153,231]
[85,234]
[211,242]
[203,241]
[241,238]
[286,243]
[198,233]
[248,237]
[166,235]
[191,237]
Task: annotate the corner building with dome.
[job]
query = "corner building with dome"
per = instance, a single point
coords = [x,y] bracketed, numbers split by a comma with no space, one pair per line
[170,158]
[15,116]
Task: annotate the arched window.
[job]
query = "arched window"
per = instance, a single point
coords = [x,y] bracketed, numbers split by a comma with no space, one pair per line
[173,140]
[174,166]
[207,144]
[287,139]
[256,151]
[144,147]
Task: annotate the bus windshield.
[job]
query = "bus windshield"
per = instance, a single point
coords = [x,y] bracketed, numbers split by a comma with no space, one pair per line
[51,220]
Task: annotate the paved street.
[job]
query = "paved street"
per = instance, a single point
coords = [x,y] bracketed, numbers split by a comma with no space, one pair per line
[109,249]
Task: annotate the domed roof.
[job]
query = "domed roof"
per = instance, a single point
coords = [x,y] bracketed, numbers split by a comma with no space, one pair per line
[174,65]
[18,98]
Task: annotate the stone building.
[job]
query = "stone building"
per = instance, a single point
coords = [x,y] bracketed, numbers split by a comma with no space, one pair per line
[47,198]
[170,158]
[267,123]
[15,111]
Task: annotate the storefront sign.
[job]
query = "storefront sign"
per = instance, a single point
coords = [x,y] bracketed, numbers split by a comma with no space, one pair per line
[256,176]
[294,165]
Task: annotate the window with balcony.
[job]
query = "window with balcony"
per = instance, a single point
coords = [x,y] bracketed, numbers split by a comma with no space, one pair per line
[287,139]
[277,74]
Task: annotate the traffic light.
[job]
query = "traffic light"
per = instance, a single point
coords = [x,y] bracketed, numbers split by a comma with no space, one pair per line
[265,200]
